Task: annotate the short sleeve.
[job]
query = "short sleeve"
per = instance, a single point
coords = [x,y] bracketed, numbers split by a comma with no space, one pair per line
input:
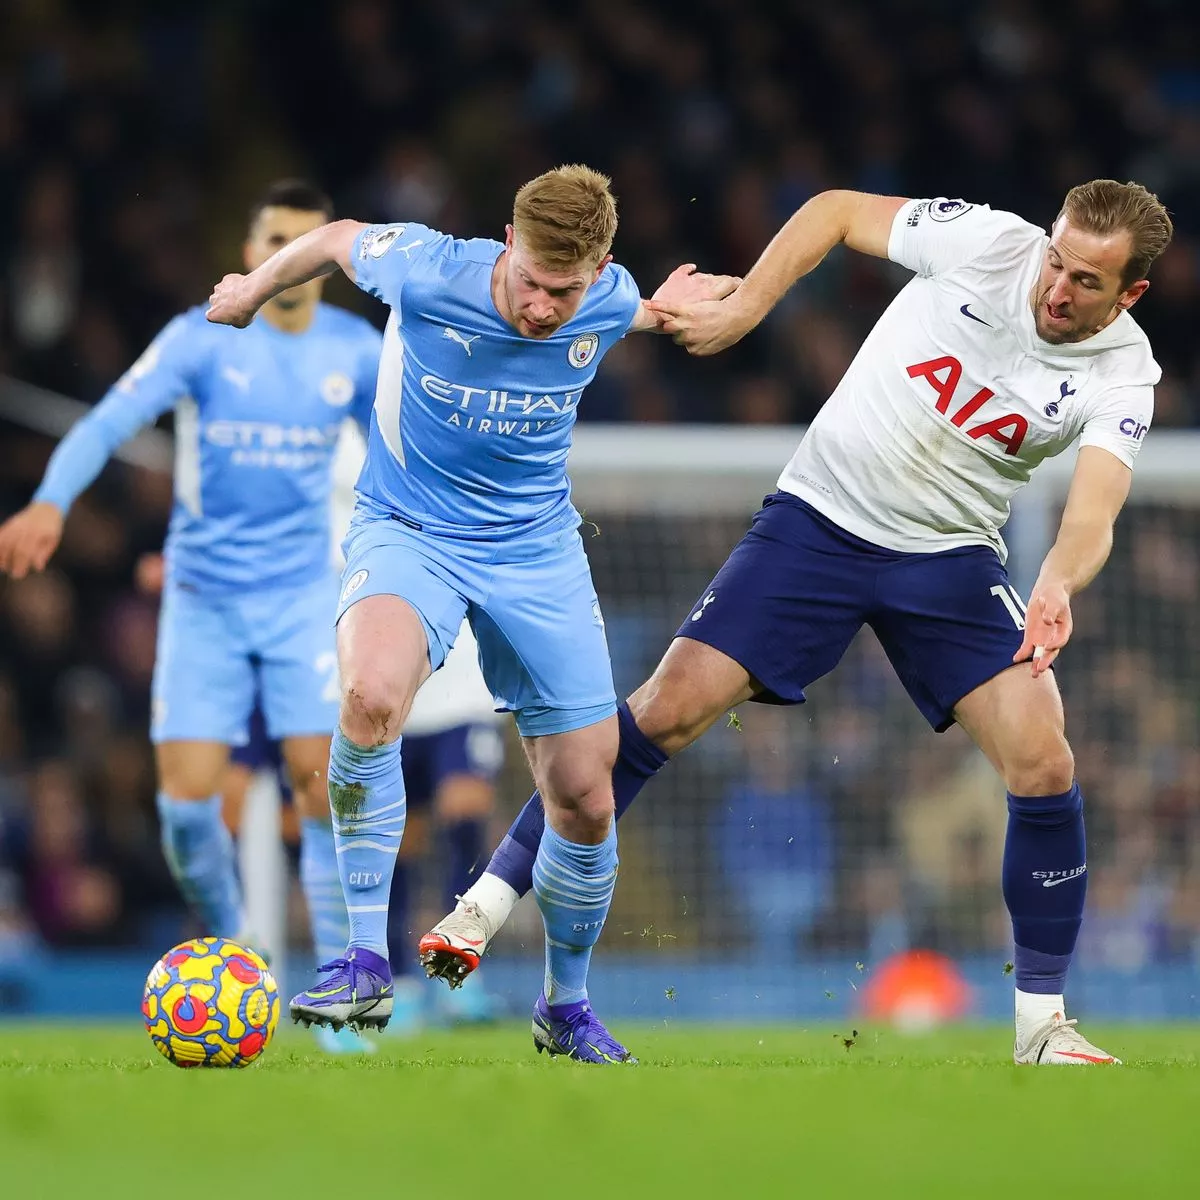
[626,299]
[1119,421]
[937,235]
[385,255]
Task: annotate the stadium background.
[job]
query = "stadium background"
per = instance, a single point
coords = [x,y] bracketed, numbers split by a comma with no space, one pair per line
[131,143]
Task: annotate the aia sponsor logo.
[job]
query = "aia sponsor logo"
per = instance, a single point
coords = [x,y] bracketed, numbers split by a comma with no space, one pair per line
[943,375]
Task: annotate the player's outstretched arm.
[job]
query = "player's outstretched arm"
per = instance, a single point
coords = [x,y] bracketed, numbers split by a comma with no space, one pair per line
[685,285]
[862,221]
[236,299]
[153,384]
[1099,487]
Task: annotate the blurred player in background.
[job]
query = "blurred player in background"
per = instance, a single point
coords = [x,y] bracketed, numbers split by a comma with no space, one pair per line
[464,511]
[1006,347]
[249,592]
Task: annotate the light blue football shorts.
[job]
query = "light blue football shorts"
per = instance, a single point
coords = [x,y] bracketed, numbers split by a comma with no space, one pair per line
[217,653]
[533,609]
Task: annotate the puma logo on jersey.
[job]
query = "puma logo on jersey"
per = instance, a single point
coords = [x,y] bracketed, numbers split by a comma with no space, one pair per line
[1009,430]
[409,247]
[464,342]
[239,379]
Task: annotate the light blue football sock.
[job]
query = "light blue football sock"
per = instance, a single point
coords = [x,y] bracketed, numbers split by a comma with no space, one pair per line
[323,889]
[574,889]
[199,852]
[366,797]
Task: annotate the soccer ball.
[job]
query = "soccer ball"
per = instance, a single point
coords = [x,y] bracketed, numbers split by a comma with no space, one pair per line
[210,1003]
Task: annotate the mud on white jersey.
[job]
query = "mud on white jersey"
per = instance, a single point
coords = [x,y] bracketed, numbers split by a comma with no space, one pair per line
[953,399]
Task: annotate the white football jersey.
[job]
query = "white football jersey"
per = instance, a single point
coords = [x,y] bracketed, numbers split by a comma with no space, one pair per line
[953,399]
[456,693]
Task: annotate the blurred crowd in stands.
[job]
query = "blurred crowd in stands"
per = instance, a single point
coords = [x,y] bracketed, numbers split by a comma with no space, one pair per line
[133,139]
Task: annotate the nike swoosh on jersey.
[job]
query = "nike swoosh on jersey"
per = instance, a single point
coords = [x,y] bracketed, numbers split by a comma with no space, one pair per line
[966,312]
[1065,879]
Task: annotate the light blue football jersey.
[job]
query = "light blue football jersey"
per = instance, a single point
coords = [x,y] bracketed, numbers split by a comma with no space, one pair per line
[472,421]
[257,415]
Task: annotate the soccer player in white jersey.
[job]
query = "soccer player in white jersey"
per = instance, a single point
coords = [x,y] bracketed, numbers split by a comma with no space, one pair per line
[249,593]
[1006,347]
[464,511]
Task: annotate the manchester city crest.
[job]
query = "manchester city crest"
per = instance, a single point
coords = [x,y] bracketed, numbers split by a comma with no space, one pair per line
[583,350]
[337,389]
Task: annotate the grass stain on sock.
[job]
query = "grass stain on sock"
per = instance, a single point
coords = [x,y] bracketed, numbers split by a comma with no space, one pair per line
[347,800]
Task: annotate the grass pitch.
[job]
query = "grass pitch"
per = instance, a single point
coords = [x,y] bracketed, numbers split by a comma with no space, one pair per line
[94,1111]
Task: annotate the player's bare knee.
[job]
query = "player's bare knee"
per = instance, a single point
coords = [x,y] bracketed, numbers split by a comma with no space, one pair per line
[371,711]
[579,803]
[666,713]
[1044,767]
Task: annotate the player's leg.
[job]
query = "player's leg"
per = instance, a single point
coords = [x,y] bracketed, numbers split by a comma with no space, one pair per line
[468,759]
[1017,721]
[383,659]
[257,753]
[544,656]
[950,624]
[574,876]
[307,759]
[398,614]
[778,615]
[196,842]
[294,642]
[408,1012]
[202,694]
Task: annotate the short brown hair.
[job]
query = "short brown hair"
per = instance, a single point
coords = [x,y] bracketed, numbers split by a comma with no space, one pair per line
[566,216]
[1105,206]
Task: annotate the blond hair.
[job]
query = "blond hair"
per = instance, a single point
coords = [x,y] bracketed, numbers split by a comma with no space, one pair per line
[1105,206]
[566,217]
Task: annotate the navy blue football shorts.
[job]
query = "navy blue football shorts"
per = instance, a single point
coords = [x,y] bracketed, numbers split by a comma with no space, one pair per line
[429,759]
[797,588]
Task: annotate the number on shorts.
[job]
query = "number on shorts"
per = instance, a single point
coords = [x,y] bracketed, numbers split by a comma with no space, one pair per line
[1011,599]
[326,665]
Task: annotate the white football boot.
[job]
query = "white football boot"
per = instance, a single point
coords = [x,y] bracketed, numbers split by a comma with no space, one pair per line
[451,950]
[1058,1043]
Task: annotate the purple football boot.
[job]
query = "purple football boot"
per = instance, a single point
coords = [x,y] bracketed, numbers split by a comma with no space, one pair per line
[355,991]
[576,1031]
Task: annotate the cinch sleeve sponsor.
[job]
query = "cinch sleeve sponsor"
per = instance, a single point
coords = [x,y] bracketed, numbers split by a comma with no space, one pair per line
[1119,422]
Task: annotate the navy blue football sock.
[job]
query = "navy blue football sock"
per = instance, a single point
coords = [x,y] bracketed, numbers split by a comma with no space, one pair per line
[464,855]
[399,932]
[638,761]
[1045,883]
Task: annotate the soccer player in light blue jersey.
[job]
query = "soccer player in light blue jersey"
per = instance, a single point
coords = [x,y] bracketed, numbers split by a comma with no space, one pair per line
[464,510]
[250,590]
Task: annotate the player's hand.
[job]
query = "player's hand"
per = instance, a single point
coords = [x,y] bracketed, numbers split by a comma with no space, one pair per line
[1048,627]
[29,538]
[704,327]
[686,285]
[232,302]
